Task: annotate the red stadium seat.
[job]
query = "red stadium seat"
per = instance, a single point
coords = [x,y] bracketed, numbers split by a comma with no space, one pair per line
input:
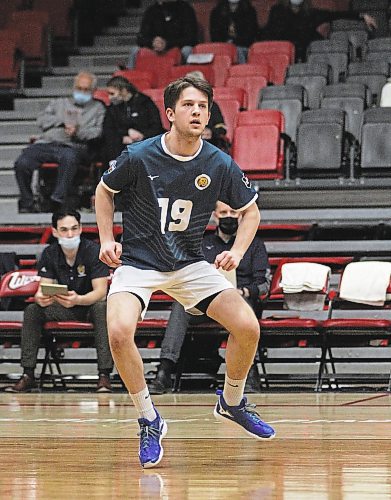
[277,54]
[140,79]
[157,96]
[218,49]
[231,93]
[158,65]
[230,108]
[251,84]
[260,69]
[257,146]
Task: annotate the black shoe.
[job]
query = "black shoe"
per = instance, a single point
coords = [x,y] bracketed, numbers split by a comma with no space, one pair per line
[162,383]
[253,383]
[28,209]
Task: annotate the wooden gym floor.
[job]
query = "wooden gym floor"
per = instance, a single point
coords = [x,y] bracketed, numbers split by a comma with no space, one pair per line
[75,446]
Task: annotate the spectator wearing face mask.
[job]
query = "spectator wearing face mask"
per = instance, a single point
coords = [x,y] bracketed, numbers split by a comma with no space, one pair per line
[71,261]
[234,21]
[299,23]
[253,279]
[131,117]
[70,127]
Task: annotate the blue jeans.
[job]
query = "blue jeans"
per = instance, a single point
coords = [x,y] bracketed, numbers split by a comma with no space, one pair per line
[68,159]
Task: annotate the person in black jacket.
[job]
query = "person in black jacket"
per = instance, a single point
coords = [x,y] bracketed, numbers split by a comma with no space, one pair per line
[131,117]
[298,22]
[167,24]
[234,21]
[252,280]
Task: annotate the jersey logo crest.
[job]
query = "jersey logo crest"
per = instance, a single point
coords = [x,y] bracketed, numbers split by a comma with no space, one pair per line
[81,270]
[202,181]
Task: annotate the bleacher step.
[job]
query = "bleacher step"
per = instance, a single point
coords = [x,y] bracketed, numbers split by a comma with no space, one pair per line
[124,41]
[93,61]
[8,184]
[52,83]
[74,70]
[123,51]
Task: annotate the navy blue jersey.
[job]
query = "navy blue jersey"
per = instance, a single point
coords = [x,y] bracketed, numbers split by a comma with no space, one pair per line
[168,200]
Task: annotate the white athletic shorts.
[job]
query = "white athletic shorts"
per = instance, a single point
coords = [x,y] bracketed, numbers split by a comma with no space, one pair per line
[188,285]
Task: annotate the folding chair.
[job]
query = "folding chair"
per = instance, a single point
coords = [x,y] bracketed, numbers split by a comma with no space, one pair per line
[353,323]
[293,320]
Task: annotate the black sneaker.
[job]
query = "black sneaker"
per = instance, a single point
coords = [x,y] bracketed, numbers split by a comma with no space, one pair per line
[161,384]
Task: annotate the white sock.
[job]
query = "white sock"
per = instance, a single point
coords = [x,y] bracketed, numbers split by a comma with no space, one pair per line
[143,403]
[233,391]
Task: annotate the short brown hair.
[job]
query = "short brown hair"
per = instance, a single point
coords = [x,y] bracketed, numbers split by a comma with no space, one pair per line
[174,89]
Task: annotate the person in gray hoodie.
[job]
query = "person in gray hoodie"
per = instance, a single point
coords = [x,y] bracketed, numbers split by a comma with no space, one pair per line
[69,125]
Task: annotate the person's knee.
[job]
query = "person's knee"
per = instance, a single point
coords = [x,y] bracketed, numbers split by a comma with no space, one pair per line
[250,331]
[120,335]
[69,157]
[22,163]
[33,312]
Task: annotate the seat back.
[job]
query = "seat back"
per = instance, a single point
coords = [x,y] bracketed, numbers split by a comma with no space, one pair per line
[140,79]
[257,145]
[217,48]
[375,143]
[251,84]
[261,117]
[22,284]
[230,109]
[230,93]
[59,15]
[272,47]
[277,53]
[352,30]
[373,74]
[313,77]
[260,69]
[278,64]
[321,143]
[256,149]
[157,96]
[350,97]
[289,99]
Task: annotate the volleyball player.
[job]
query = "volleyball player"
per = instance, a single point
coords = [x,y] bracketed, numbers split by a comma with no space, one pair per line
[170,185]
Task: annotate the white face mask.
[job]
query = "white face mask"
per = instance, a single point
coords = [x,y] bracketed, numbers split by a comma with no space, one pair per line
[296,3]
[69,243]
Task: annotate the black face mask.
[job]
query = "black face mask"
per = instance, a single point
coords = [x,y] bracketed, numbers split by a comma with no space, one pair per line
[228,225]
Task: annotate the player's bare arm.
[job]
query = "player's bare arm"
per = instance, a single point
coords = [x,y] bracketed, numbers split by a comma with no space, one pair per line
[110,250]
[247,229]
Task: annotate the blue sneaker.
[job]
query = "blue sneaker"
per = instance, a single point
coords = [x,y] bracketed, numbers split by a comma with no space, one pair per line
[243,415]
[151,435]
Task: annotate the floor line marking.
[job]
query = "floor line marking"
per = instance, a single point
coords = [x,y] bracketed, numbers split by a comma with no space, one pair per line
[365,399]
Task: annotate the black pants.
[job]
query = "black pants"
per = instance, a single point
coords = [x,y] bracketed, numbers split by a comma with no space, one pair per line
[35,316]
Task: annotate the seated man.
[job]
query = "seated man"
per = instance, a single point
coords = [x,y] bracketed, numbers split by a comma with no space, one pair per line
[70,125]
[71,261]
[252,277]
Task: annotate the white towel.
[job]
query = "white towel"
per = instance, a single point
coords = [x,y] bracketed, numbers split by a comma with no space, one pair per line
[366,282]
[304,276]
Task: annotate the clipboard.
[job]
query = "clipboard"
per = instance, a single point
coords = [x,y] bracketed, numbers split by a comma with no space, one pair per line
[54,289]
